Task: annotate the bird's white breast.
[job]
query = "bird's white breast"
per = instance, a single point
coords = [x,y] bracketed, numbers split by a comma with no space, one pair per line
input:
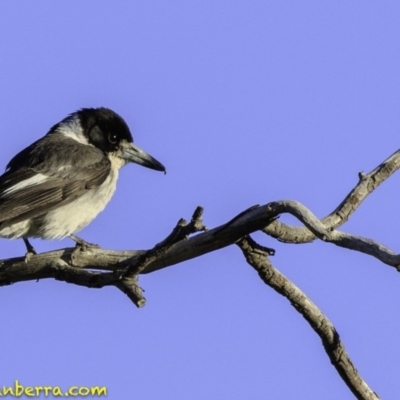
[74,216]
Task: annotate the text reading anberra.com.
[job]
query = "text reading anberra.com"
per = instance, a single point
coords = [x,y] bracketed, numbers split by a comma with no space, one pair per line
[19,390]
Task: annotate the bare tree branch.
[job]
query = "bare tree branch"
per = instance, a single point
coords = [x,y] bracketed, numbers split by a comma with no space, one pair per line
[341,239]
[95,267]
[83,265]
[257,257]
[366,185]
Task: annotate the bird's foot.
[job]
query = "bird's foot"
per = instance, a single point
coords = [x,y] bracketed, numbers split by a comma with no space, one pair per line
[82,244]
[30,250]
[29,255]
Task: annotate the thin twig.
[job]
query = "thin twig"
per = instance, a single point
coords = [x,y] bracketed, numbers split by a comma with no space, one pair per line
[367,184]
[257,257]
[338,238]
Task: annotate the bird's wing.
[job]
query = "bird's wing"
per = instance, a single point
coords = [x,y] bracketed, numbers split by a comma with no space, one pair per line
[35,185]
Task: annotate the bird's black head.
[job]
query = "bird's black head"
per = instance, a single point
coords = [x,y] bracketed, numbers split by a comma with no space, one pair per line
[104,128]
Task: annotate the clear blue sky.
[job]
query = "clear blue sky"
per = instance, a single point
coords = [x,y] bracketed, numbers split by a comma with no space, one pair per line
[245,102]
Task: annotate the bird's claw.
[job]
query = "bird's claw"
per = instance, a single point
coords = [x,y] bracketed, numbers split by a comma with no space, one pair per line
[29,254]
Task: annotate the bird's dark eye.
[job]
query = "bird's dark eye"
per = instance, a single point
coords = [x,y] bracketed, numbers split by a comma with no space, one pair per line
[112,138]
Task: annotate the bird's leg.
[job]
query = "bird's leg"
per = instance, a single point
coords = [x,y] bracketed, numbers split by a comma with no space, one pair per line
[30,250]
[82,243]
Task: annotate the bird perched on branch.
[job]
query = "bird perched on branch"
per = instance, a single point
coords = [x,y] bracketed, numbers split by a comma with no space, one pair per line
[60,183]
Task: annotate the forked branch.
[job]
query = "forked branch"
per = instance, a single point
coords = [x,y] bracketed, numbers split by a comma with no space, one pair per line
[257,257]
[95,267]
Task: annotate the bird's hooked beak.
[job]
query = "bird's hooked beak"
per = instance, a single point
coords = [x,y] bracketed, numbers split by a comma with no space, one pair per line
[135,154]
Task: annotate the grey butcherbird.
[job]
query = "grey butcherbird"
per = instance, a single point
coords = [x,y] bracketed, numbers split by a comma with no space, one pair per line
[60,183]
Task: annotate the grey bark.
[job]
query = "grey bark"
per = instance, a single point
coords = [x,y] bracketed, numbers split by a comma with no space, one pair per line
[94,267]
